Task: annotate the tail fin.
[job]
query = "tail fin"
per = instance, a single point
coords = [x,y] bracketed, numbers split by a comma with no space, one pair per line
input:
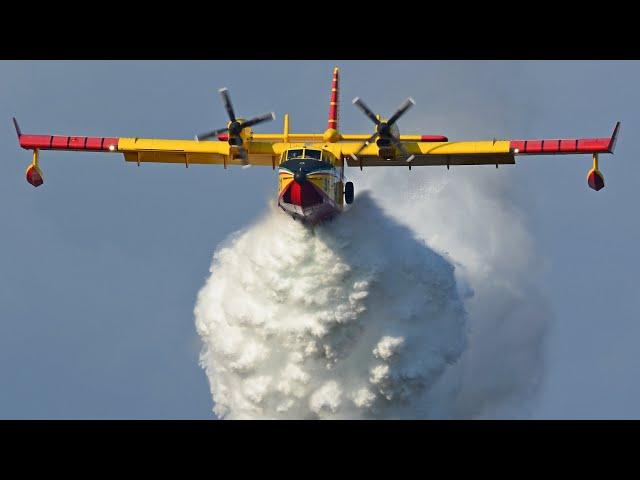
[333,106]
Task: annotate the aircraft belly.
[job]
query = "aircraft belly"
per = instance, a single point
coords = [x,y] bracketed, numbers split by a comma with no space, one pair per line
[321,207]
[314,214]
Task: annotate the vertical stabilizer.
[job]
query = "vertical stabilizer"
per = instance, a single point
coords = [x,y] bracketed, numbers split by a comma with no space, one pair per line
[332,135]
[333,105]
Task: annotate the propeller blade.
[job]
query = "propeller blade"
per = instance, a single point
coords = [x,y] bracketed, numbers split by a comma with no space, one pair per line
[366,110]
[364,145]
[262,118]
[244,158]
[224,92]
[212,133]
[408,103]
[403,149]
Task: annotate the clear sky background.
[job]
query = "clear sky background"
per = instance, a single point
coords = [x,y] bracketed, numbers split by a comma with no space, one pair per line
[100,267]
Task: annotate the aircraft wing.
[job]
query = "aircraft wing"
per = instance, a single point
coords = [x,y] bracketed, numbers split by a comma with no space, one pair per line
[193,152]
[434,153]
[141,150]
[492,152]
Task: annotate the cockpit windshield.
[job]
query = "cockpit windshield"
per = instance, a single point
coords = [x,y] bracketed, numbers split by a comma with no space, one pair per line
[293,154]
[313,154]
[306,154]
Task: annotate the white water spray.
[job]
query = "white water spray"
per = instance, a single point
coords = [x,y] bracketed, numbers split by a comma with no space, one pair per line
[361,318]
[355,319]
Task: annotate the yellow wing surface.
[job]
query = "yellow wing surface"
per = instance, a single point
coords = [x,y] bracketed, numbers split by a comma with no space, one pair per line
[432,153]
[194,152]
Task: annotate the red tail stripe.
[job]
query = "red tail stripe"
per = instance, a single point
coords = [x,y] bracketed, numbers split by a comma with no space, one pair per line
[333,106]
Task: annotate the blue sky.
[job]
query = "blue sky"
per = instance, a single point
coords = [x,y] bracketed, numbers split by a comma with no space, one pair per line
[100,267]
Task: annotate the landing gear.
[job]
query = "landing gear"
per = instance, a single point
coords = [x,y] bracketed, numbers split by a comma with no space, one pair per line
[348,193]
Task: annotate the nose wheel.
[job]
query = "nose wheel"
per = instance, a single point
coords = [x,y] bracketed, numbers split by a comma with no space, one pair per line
[348,193]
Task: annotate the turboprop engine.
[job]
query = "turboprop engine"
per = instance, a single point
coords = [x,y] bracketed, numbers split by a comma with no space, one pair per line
[237,130]
[387,133]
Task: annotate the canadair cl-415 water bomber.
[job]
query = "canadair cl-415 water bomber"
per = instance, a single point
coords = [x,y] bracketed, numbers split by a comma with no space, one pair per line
[311,181]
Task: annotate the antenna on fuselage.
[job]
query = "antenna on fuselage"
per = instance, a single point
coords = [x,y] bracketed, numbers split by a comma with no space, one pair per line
[332,133]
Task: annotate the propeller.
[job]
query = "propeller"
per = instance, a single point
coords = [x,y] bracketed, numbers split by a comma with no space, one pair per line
[384,127]
[235,125]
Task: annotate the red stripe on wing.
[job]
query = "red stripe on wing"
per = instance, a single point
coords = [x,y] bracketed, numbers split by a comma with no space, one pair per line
[61,142]
[566,145]
[555,146]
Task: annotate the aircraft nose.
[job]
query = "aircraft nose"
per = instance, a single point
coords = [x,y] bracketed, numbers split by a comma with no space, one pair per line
[300,176]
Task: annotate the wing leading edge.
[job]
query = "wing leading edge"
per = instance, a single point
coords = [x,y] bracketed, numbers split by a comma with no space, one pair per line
[435,153]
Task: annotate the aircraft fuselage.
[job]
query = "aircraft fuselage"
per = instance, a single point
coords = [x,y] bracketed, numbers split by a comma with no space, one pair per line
[310,182]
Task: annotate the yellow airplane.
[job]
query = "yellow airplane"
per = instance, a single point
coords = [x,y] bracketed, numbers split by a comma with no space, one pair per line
[311,184]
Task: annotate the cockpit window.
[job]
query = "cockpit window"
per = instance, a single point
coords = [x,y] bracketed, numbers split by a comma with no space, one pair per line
[306,153]
[313,154]
[292,154]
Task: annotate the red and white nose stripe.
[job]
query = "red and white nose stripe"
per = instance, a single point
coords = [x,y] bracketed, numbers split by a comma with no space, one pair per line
[302,194]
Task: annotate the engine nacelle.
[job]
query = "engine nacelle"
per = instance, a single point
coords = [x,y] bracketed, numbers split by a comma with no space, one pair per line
[235,141]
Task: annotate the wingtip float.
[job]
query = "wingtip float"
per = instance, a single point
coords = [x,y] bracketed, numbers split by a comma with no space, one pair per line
[595,178]
[311,181]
